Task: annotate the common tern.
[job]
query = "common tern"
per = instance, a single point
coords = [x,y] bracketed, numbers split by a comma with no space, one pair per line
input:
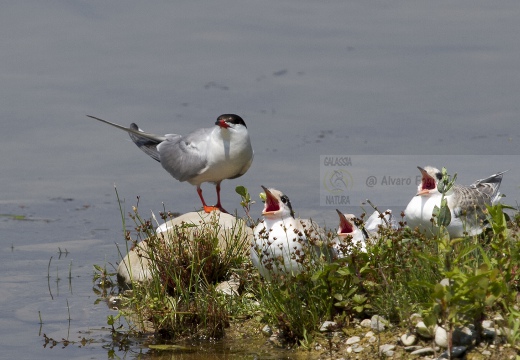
[281,242]
[467,204]
[205,155]
[377,219]
[349,235]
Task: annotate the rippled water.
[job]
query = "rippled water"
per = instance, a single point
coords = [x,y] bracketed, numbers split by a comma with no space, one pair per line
[360,79]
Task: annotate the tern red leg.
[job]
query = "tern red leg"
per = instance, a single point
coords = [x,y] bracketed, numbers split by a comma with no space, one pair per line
[207,208]
[219,206]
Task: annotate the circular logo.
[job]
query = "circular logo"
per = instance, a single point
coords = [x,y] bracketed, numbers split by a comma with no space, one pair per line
[337,181]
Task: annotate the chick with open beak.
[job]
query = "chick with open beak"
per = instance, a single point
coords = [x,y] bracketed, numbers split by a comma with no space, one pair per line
[281,242]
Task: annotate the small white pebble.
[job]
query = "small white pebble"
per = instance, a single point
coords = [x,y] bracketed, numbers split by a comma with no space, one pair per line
[353,340]
[267,331]
[357,348]
[366,323]
[408,339]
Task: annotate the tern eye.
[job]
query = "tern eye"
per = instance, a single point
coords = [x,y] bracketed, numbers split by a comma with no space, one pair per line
[284,199]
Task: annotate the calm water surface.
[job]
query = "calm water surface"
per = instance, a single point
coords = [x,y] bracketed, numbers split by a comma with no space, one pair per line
[428,83]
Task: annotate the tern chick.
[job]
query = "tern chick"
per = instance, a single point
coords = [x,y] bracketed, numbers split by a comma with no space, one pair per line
[349,235]
[467,204]
[282,243]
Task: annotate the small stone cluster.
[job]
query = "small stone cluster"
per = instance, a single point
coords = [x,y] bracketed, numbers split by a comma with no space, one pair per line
[422,342]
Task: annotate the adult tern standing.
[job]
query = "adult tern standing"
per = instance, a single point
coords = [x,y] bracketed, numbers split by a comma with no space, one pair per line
[205,155]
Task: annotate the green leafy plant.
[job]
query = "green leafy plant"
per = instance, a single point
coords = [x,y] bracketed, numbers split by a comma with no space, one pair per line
[477,278]
[451,282]
[246,203]
[186,263]
[442,214]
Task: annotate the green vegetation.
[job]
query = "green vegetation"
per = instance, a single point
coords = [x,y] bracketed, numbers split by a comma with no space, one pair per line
[181,299]
[450,282]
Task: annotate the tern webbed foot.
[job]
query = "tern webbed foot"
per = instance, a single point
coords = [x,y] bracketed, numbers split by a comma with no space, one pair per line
[209,209]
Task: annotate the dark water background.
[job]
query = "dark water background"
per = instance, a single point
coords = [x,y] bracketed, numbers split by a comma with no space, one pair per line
[427,82]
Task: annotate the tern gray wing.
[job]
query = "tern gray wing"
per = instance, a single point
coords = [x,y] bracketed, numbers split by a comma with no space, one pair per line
[471,200]
[185,157]
[146,144]
[490,186]
[468,200]
[145,141]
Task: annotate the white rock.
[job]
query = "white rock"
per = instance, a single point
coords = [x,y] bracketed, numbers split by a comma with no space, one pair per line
[267,331]
[412,348]
[423,351]
[369,334]
[353,340]
[229,287]
[135,266]
[441,337]
[446,282]
[372,339]
[488,324]
[365,323]
[328,326]
[415,318]
[460,337]
[387,349]
[424,331]
[378,323]
[408,339]
[357,348]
